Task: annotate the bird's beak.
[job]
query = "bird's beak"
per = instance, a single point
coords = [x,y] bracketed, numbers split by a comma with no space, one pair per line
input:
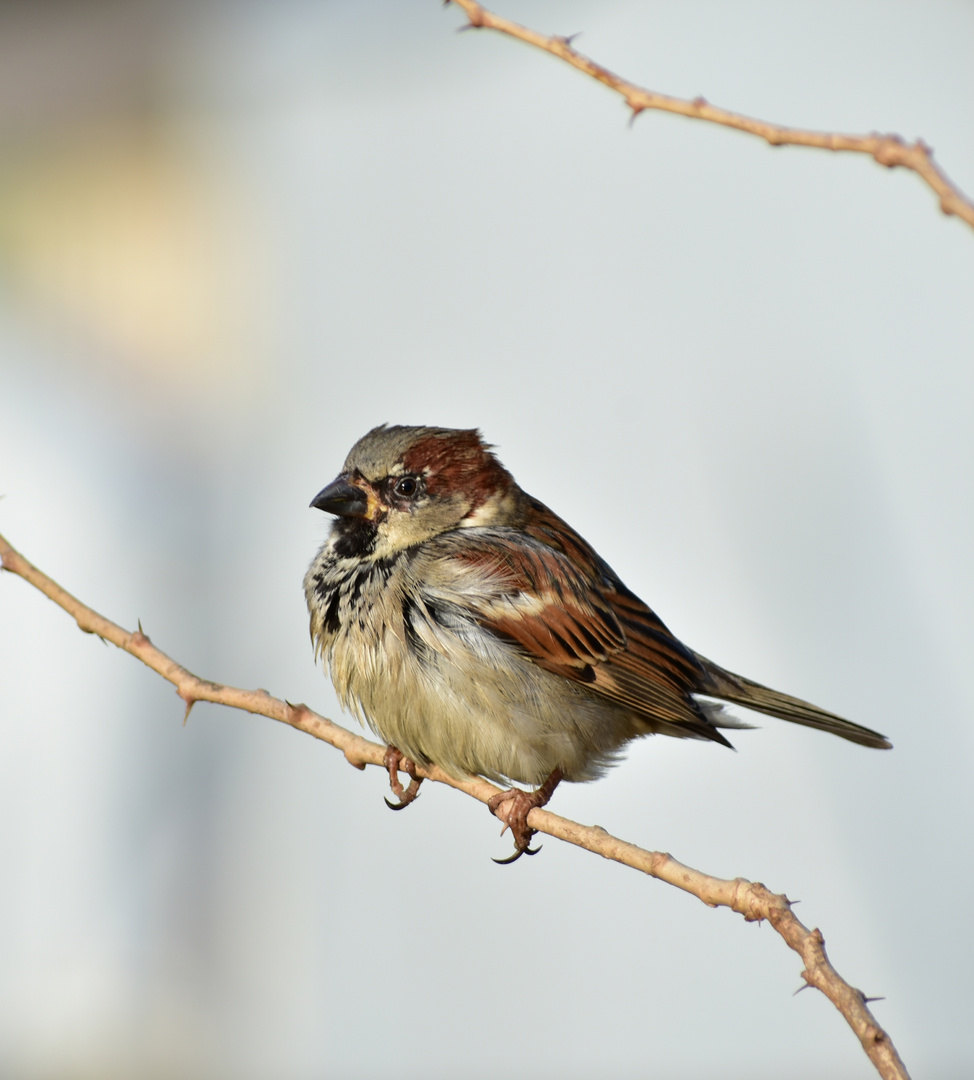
[343,499]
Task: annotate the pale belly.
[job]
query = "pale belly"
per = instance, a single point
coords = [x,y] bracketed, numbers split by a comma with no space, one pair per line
[468,702]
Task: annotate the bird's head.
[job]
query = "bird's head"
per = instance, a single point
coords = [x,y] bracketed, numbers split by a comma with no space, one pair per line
[403,485]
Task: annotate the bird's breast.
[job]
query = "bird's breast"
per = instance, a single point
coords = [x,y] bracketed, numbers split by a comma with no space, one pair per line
[416,666]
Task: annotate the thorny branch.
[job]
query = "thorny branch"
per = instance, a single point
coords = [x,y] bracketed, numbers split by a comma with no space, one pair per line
[751,899]
[888,150]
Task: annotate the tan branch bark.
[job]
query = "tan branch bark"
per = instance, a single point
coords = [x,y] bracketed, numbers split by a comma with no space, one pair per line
[888,150]
[751,899]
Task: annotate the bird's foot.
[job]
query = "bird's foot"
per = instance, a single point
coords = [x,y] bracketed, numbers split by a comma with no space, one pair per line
[396,763]
[513,807]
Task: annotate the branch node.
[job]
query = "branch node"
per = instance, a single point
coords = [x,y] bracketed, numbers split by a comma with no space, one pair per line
[890,151]
[747,899]
[354,760]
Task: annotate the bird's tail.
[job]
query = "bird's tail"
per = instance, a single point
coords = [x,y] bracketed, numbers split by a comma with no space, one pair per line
[727,686]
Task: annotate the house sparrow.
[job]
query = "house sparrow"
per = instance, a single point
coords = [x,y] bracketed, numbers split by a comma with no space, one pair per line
[472,628]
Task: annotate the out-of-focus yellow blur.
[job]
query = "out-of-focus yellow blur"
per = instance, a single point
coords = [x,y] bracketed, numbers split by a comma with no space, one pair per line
[235,235]
[121,227]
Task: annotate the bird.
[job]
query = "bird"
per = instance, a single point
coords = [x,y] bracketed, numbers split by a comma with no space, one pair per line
[472,628]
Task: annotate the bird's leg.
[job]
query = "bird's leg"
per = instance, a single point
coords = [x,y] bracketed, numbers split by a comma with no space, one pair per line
[394,761]
[517,805]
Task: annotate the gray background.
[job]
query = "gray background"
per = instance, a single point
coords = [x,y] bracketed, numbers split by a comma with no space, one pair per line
[233,237]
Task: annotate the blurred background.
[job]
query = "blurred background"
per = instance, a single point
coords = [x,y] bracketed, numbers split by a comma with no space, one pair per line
[234,237]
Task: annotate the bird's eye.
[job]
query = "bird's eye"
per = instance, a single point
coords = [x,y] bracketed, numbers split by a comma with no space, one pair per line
[406,487]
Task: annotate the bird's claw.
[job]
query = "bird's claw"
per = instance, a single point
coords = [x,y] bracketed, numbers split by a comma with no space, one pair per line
[518,804]
[406,795]
[394,762]
[517,854]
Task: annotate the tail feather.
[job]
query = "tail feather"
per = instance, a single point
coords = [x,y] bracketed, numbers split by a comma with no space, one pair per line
[727,686]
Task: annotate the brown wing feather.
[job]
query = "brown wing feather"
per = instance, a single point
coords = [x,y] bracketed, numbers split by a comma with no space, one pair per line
[541,601]
[553,595]
[651,649]
[563,605]
[653,656]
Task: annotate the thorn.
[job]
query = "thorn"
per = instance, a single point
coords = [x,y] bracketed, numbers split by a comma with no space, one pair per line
[807,986]
[476,21]
[568,39]
[296,707]
[141,631]
[636,110]
[870,1000]
[190,702]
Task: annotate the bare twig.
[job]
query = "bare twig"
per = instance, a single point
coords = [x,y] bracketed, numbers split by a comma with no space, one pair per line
[751,899]
[888,150]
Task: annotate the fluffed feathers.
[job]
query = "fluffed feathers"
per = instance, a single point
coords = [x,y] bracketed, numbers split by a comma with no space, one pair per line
[470,626]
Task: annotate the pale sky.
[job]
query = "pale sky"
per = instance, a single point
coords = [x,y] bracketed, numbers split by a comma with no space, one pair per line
[234,237]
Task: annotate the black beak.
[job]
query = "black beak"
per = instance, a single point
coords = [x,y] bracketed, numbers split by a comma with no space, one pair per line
[341,498]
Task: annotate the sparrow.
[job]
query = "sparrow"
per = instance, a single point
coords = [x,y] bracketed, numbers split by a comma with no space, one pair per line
[472,628]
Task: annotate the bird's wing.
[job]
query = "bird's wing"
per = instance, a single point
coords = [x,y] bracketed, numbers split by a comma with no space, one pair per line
[542,587]
[569,613]
[653,652]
